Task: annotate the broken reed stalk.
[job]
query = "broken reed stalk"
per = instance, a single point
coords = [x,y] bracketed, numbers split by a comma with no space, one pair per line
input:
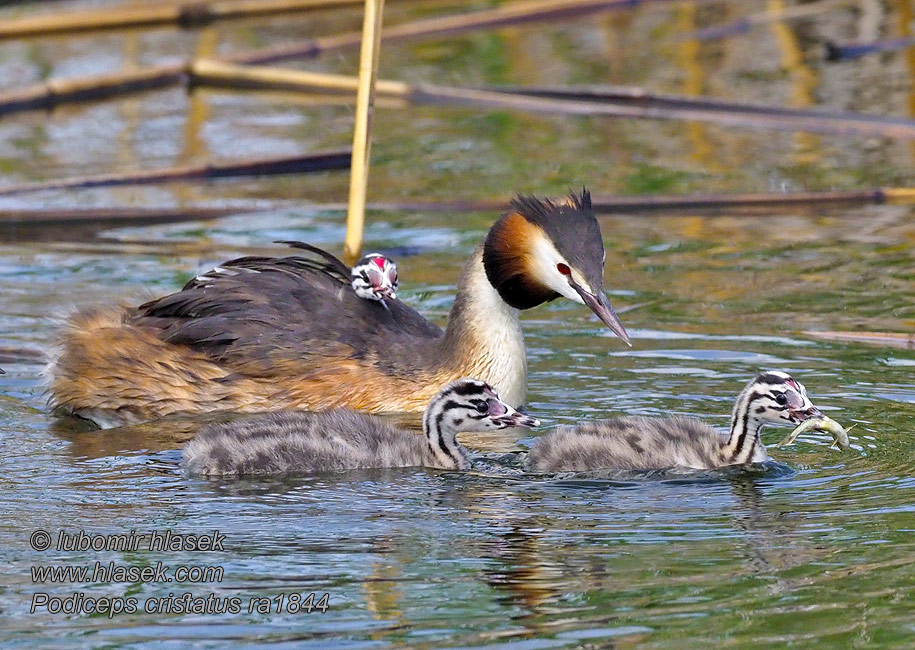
[844,52]
[53,93]
[212,72]
[324,161]
[730,205]
[21,355]
[121,216]
[519,13]
[888,339]
[61,224]
[362,131]
[744,25]
[185,15]
[607,101]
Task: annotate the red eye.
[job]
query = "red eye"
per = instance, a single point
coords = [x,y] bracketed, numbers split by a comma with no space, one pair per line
[564,269]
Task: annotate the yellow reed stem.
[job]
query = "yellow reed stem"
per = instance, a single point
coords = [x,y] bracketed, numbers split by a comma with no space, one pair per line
[362,133]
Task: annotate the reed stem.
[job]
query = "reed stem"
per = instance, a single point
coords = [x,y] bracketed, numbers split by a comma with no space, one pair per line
[185,15]
[362,133]
[323,161]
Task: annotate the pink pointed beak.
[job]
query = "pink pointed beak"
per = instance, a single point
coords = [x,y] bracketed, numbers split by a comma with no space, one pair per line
[504,414]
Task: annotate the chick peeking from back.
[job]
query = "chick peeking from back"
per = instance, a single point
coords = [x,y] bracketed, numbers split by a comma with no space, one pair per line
[374,277]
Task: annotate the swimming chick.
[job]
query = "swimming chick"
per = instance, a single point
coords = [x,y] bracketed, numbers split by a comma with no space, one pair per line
[291,442]
[644,443]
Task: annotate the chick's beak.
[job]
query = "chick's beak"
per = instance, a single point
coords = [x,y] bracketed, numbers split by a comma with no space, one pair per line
[385,291]
[517,419]
[604,310]
[801,415]
[506,415]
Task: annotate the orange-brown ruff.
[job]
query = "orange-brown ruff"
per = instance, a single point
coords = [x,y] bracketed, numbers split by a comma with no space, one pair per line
[258,334]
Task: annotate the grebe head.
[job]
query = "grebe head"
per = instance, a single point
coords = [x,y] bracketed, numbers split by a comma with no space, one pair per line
[774,396]
[374,277]
[473,405]
[540,250]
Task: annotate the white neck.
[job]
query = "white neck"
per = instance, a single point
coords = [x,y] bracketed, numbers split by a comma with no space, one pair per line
[484,335]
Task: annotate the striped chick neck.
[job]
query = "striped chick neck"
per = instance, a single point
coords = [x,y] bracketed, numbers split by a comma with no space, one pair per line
[466,405]
[745,427]
[440,422]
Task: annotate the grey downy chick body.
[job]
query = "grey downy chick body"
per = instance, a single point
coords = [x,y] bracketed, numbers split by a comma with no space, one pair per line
[295,442]
[646,443]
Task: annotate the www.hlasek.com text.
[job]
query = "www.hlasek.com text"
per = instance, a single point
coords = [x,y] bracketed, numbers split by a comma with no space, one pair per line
[113,572]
